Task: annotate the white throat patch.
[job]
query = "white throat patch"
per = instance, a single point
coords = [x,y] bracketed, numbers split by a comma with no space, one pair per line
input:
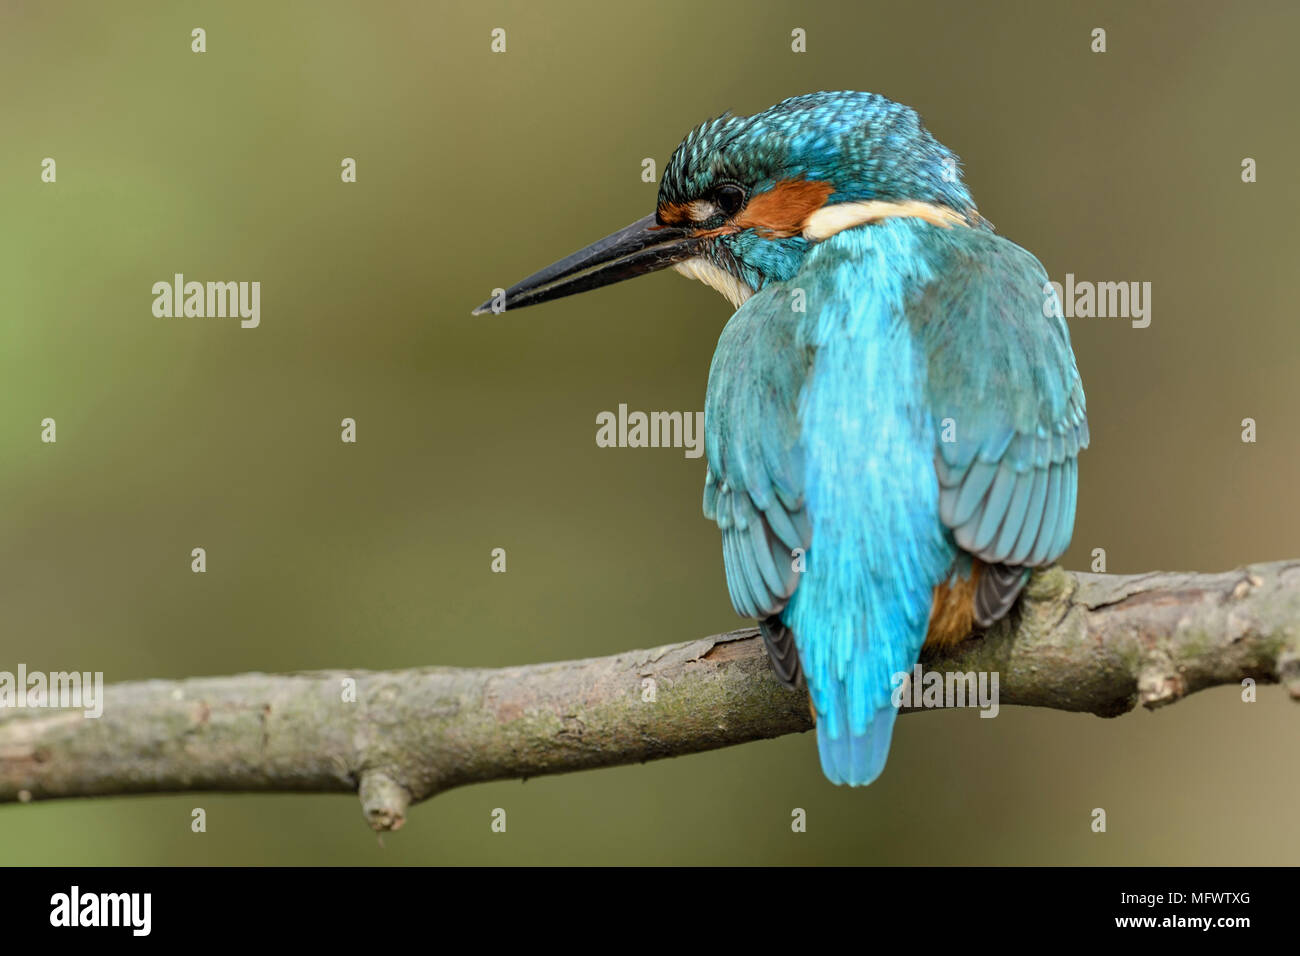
[735,291]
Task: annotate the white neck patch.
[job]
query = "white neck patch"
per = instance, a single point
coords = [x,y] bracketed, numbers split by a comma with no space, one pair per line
[823,224]
[829,220]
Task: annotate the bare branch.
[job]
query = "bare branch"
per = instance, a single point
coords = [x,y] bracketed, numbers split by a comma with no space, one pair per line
[1079,642]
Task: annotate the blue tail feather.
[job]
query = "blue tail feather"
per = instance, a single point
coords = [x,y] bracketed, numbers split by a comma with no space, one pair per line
[857,759]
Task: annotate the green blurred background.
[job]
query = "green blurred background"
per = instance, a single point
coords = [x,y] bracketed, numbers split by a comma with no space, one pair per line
[475,169]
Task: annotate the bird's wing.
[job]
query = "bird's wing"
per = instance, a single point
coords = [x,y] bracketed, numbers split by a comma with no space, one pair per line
[754,486]
[1007,402]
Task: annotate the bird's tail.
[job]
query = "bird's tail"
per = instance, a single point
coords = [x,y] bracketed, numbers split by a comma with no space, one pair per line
[856,759]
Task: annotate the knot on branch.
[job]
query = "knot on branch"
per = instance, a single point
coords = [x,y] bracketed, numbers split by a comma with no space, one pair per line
[1159,682]
[383,801]
[1288,670]
[1053,584]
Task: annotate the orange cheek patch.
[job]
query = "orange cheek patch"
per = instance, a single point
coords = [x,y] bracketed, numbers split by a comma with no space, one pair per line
[675,214]
[780,212]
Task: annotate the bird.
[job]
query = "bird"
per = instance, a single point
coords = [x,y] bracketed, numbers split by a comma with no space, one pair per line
[894,412]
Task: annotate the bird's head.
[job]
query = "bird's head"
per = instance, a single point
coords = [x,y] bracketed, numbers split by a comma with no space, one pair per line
[743,198]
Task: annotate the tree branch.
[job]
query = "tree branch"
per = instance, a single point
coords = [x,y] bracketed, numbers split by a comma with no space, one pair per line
[1079,642]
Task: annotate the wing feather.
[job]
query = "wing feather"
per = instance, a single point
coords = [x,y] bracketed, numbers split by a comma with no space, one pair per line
[1002,374]
[754,485]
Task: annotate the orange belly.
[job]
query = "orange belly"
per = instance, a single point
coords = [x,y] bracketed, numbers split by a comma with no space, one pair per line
[952,611]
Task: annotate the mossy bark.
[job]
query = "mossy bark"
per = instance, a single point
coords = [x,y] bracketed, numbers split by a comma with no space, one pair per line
[1078,642]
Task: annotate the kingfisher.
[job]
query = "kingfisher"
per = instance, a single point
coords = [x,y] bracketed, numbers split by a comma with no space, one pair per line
[893,414]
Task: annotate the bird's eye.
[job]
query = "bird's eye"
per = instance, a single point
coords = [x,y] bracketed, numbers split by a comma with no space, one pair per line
[729,198]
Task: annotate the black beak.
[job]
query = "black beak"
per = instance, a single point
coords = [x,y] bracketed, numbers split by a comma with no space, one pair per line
[643,247]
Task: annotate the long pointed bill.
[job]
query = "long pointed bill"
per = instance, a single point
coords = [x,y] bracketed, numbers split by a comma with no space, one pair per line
[643,247]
